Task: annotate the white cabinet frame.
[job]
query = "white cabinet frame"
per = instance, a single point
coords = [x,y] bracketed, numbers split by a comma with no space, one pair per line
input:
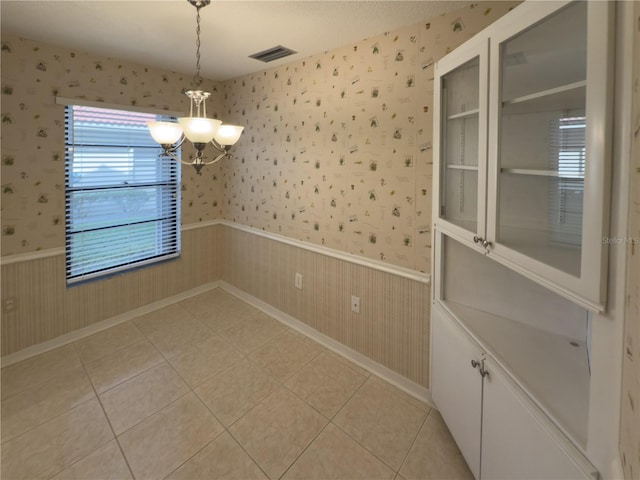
[589,289]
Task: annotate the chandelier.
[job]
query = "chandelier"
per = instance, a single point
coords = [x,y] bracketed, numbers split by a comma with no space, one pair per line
[196,128]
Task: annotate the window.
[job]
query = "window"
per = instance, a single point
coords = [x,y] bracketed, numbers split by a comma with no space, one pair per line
[568,158]
[122,200]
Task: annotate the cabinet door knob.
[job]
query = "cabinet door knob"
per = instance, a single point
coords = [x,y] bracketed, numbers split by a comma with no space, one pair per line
[475,364]
[484,372]
[477,239]
[486,243]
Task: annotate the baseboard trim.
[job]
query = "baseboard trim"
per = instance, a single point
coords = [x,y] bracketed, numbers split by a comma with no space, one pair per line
[385,373]
[67,338]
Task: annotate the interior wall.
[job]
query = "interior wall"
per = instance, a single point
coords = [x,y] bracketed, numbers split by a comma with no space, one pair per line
[392,327]
[289,172]
[33,157]
[630,407]
[336,149]
[32,170]
[46,308]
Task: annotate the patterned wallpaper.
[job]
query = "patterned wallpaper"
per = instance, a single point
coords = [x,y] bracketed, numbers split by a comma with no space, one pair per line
[630,422]
[337,147]
[336,150]
[32,157]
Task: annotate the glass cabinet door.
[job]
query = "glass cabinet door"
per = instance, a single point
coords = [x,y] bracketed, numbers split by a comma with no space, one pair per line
[549,145]
[462,147]
[541,139]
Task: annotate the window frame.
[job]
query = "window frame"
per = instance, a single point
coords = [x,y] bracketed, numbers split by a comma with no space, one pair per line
[160,192]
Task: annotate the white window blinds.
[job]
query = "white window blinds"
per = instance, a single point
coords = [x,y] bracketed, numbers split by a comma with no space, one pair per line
[122,200]
[568,158]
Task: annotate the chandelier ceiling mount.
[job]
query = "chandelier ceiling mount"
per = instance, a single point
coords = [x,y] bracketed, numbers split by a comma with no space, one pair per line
[197,127]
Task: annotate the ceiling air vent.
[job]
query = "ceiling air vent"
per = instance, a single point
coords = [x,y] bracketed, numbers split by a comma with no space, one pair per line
[273,54]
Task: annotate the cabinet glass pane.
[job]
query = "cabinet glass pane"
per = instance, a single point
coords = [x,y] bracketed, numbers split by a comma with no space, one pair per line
[542,155]
[459,201]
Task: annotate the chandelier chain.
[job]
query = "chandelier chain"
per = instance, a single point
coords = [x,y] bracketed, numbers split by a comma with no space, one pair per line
[197,80]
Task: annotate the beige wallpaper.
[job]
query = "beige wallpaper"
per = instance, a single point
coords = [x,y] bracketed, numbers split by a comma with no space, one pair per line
[337,147]
[630,422]
[336,150]
[32,157]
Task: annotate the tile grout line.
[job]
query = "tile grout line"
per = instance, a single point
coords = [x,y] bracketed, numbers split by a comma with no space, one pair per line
[356,440]
[424,422]
[368,376]
[104,412]
[305,449]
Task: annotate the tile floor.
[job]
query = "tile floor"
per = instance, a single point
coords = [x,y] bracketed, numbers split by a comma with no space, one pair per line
[212,388]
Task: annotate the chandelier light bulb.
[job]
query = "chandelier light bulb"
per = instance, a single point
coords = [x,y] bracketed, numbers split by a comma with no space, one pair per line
[228,134]
[165,133]
[199,129]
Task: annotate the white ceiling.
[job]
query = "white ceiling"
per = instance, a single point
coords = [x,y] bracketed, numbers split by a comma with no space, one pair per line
[161,33]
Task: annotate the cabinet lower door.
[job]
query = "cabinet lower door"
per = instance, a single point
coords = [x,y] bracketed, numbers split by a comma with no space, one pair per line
[519,441]
[456,386]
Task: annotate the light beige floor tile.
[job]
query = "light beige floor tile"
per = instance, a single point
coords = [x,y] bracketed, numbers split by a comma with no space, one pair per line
[277,430]
[102,343]
[235,391]
[106,463]
[326,384]
[164,441]
[435,455]
[141,396]
[248,336]
[238,308]
[261,319]
[382,421]
[222,459]
[336,456]
[41,403]
[396,391]
[206,304]
[180,336]
[205,359]
[350,364]
[123,364]
[285,355]
[57,444]
[38,369]
[219,321]
[161,318]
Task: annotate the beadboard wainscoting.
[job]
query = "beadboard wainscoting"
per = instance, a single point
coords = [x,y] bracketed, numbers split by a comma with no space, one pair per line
[392,328]
[389,335]
[45,308]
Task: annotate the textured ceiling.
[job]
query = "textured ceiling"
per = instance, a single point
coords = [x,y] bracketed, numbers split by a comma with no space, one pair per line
[162,33]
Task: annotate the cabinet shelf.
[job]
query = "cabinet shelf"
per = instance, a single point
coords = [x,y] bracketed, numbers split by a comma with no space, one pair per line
[552,369]
[463,167]
[466,114]
[541,173]
[566,97]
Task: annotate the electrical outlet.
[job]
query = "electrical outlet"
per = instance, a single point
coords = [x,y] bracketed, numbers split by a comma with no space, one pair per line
[298,281]
[9,305]
[355,304]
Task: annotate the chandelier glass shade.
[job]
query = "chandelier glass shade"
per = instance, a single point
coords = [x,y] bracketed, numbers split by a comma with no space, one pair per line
[197,128]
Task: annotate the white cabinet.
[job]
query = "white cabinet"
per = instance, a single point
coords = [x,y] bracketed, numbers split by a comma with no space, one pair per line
[499,430]
[518,441]
[456,387]
[522,144]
